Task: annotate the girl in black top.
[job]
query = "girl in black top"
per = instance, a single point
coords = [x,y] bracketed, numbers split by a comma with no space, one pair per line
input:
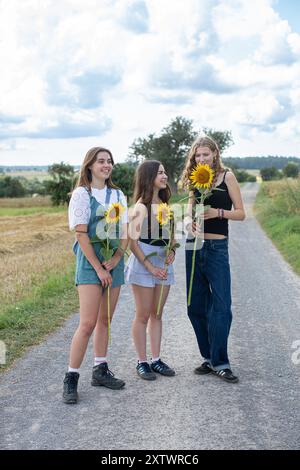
[147,274]
[210,307]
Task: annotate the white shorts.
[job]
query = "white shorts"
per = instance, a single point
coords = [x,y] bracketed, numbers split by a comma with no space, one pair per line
[136,273]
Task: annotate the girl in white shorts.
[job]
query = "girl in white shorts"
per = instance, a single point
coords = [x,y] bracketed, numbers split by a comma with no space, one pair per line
[147,274]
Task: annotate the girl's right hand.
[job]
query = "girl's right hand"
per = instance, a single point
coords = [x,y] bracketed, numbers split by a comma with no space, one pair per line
[197,230]
[105,277]
[160,273]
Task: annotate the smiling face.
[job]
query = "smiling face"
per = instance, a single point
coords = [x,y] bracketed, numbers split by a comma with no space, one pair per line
[161,179]
[102,167]
[205,156]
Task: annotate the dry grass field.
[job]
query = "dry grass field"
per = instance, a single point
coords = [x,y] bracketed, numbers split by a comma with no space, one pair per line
[37,289]
[31,247]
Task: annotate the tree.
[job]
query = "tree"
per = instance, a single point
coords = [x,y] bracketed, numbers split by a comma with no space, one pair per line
[223,138]
[61,184]
[291,170]
[172,146]
[11,187]
[123,176]
[269,174]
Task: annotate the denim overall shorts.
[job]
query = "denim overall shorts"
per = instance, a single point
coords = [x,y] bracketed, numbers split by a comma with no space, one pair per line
[85,273]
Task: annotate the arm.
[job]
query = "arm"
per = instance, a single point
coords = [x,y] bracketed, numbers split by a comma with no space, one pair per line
[238,211]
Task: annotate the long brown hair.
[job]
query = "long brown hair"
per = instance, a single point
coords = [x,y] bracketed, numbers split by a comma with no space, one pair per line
[190,161]
[144,178]
[85,175]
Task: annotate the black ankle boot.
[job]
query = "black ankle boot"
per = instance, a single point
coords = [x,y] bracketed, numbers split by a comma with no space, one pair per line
[103,376]
[70,394]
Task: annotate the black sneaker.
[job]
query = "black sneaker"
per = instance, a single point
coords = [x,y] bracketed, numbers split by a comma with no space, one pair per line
[70,395]
[162,368]
[102,376]
[144,371]
[203,369]
[227,375]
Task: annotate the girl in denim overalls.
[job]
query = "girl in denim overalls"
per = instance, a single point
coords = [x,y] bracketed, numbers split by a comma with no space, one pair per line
[92,196]
[210,307]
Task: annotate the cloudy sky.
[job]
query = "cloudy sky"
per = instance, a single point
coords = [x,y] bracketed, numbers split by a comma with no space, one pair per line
[103,72]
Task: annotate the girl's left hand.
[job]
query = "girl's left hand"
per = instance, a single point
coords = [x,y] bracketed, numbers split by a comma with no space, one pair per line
[210,213]
[111,263]
[170,258]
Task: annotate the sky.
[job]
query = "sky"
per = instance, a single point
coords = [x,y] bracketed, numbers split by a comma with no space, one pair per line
[105,72]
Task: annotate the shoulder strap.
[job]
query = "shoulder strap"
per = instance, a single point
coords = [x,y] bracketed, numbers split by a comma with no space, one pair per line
[88,191]
[107,197]
[224,176]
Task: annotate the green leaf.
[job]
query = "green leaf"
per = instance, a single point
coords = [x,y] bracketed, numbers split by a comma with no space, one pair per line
[154,253]
[158,240]
[106,253]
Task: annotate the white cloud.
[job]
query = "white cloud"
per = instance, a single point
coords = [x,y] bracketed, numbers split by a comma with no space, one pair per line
[115,70]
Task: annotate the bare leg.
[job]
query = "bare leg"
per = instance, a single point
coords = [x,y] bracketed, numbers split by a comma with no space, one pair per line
[155,321]
[89,300]
[143,302]
[100,339]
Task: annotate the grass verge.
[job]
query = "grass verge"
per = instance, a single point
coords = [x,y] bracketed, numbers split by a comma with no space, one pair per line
[277,208]
[28,321]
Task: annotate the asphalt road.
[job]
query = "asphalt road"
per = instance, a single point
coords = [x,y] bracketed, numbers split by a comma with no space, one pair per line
[186,411]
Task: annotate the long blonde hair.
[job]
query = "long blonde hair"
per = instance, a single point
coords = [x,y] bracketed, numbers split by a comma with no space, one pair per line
[190,161]
[85,175]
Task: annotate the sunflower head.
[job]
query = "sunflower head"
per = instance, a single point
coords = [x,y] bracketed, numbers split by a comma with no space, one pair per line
[164,214]
[113,213]
[202,176]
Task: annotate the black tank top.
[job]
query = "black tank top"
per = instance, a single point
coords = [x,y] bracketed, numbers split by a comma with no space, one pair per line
[218,200]
[157,233]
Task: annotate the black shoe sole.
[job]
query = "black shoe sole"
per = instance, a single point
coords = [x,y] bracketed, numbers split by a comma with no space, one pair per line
[171,374]
[112,387]
[234,381]
[147,377]
[202,372]
[70,401]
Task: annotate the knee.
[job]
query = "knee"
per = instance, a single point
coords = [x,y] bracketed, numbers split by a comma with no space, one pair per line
[154,317]
[104,321]
[86,328]
[142,318]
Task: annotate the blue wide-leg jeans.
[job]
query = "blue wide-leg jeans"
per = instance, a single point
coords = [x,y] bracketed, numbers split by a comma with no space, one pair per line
[210,308]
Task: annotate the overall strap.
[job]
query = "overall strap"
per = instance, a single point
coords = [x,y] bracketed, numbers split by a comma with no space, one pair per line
[107,198]
[118,195]
[88,191]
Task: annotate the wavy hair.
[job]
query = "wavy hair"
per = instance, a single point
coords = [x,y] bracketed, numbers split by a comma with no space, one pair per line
[190,161]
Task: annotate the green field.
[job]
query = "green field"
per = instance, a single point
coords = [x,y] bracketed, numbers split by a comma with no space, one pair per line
[277,208]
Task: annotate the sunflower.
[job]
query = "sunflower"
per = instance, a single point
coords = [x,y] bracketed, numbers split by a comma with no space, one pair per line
[113,213]
[164,213]
[202,176]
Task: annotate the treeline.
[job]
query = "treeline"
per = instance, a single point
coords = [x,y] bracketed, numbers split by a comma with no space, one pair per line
[170,147]
[257,163]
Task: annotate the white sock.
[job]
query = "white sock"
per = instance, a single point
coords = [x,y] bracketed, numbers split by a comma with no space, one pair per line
[140,362]
[154,359]
[71,369]
[99,360]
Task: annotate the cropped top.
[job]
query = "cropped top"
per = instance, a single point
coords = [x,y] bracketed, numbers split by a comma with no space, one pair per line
[153,233]
[218,200]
